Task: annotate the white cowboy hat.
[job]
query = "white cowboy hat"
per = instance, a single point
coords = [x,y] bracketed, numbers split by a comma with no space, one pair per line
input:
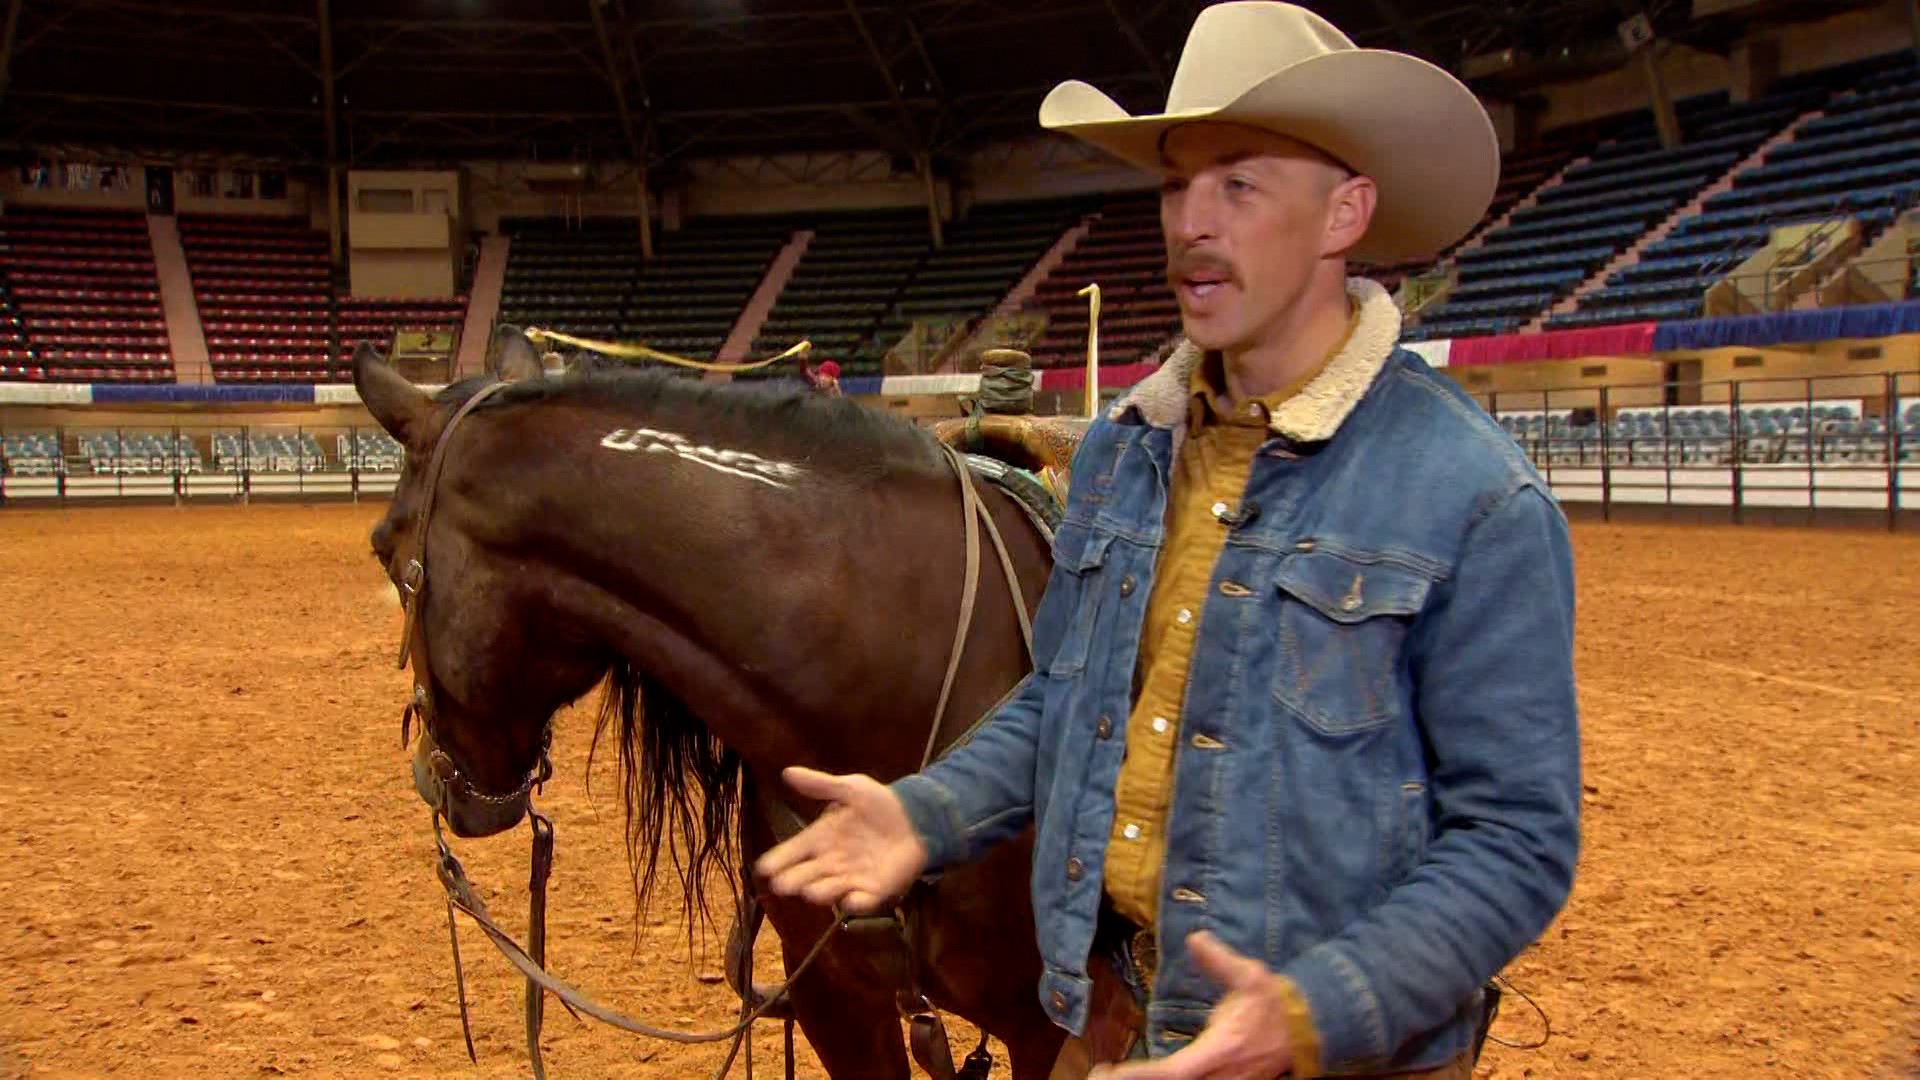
[1422,136]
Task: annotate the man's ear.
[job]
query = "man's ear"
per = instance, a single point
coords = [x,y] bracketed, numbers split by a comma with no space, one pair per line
[1349,214]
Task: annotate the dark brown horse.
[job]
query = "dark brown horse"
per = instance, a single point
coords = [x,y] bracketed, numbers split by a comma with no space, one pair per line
[761,578]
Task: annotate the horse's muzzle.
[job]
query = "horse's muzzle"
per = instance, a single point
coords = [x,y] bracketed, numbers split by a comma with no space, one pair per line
[467,816]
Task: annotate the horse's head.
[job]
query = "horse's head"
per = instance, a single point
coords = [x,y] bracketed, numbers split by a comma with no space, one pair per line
[489,669]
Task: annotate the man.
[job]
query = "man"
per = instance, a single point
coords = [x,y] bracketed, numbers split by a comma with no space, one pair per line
[1301,745]
[823,379]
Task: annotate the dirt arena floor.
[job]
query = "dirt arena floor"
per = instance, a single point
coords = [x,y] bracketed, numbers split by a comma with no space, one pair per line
[215,865]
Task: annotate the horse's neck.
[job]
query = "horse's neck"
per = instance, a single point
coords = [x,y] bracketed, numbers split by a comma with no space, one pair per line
[802,622]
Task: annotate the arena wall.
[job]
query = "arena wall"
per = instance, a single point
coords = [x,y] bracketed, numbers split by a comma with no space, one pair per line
[1627,381]
[407,231]
[1853,369]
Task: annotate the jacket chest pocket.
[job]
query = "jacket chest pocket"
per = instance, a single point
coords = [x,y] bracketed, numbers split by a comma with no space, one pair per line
[1080,578]
[1343,623]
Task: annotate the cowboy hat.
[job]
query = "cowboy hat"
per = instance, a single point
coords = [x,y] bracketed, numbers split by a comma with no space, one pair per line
[1422,136]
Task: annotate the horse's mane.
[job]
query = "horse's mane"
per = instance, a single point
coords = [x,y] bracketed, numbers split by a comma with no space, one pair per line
[790,420]
[680,790]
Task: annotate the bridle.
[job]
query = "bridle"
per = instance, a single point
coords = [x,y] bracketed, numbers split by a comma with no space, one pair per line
[928,1034]
[413,588]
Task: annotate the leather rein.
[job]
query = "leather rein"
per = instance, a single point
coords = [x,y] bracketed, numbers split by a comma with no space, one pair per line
[929,1039]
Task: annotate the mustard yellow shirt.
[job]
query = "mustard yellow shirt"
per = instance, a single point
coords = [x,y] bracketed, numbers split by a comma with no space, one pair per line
[1210,476]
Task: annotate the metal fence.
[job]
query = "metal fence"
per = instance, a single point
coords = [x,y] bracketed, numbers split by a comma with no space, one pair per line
[1849,442]
[181,463]
[1842,442]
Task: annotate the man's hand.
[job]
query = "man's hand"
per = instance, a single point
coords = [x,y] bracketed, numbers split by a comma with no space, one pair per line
[1245,1038]
[859,854]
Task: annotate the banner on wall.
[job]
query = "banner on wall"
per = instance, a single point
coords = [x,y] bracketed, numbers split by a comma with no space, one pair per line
[1435,353]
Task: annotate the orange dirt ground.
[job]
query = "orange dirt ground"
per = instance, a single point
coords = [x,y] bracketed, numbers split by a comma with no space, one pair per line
[215,865]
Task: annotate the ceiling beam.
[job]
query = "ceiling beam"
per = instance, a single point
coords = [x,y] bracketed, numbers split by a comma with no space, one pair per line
[336,236]
[926,59]
[616,79]
[1402,29]
[649,129]
[887,76]
[1140,48]
[7,41]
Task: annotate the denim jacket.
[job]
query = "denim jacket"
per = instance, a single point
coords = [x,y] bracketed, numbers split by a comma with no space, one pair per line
[1378,788]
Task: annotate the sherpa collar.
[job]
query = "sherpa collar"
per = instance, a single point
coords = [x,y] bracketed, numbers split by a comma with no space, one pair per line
[1313,414]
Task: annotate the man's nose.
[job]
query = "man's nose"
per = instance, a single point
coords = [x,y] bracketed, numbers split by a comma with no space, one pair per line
[1187,216]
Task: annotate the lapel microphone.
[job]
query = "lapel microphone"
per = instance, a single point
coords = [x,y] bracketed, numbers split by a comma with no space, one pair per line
[1242,516]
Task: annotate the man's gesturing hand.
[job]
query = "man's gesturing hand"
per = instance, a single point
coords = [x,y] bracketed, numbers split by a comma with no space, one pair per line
[1245,1038]
[861,853]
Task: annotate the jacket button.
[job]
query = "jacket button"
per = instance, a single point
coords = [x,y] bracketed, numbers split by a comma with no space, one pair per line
[1126,585]
[1104,728]
[1059,1001]
[1075,869]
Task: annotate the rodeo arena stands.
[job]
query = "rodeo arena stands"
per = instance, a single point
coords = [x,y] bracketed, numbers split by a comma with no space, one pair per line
[1648,317]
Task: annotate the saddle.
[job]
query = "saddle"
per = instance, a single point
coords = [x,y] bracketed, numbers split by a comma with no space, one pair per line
[1041,445]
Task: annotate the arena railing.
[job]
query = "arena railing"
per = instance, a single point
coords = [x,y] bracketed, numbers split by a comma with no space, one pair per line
[1814,444]
[189,462]
[1821,443]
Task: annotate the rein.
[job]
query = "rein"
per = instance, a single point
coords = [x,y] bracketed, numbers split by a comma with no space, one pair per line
[928,1034]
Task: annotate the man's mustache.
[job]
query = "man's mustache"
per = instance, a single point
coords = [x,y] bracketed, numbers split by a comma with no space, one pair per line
[1185,264]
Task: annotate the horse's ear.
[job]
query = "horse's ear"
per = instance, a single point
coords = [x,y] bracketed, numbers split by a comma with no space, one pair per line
[517,358]
[399,406]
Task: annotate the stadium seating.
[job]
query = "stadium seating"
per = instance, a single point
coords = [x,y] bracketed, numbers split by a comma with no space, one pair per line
[1627,231]
[139,453]
[35,453]
[1858,159]
[79,299]
[1706,436]
[851,275]
[265,294]
[589,279]
[1600,209]
[1520,173]
[572,278]
[1124,253]
[687,299]
[371,451]
[984,257]
[270,452]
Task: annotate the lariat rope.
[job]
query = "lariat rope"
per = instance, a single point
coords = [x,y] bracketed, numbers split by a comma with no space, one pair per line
[623,351]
